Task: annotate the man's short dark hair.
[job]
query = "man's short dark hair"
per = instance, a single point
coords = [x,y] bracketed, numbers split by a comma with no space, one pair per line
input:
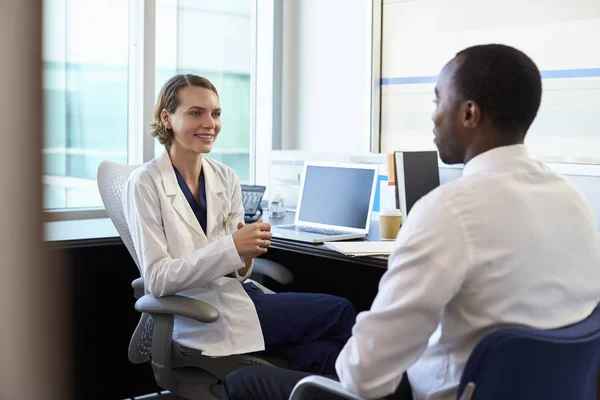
[505,83]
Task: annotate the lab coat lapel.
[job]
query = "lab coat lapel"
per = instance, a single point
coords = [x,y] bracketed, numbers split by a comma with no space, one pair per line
[173,191]
[215,192]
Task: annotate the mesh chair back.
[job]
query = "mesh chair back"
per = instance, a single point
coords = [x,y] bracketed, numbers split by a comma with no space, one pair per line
[111,181]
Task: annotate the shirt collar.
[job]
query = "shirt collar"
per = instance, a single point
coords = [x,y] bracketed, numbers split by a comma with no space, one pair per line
[490,159]
[167,171]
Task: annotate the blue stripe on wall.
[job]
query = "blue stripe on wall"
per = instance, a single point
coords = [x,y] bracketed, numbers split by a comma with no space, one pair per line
[408,80]
[571,73]
[549,74]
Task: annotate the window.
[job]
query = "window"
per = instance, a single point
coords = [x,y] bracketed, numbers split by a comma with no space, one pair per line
[92,86]
[211,39]
[85,94]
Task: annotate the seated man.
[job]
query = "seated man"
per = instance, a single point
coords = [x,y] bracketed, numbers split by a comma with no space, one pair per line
[509,243]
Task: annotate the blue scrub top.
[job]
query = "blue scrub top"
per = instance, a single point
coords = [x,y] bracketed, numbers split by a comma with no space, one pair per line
[198,209]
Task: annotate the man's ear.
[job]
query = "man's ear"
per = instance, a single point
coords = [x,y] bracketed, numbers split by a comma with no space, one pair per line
[471,114]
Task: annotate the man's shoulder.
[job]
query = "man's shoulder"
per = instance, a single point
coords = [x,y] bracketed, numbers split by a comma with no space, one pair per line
[448,201]
[445,193]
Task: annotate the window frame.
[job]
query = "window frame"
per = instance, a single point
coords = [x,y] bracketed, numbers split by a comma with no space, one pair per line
[141,96]
[267,97]
[376,65]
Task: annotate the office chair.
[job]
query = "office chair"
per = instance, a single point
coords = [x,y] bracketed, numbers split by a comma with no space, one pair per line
[518,364]
[184,372]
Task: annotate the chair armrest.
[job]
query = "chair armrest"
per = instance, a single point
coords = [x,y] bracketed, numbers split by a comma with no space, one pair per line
[163,310]
[273,270]
[320,382]
[138,287]
[178,305]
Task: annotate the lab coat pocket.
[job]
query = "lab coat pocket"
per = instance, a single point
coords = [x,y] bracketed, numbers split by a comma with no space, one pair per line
[225,221]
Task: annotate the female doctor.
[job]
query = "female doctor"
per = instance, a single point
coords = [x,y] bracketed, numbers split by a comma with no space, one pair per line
[185,213]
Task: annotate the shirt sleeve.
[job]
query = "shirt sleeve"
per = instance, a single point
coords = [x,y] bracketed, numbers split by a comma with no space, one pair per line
[237,214]
[163,274]
[243,278]
[425,271]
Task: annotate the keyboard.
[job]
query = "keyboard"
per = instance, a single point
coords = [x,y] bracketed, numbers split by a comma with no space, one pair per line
[318,231]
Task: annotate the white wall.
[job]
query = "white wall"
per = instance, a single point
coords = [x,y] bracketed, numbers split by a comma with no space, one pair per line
[326,75]
[419,37]
[561,36]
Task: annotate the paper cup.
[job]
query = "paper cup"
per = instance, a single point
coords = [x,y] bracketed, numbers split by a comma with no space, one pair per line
[389,224]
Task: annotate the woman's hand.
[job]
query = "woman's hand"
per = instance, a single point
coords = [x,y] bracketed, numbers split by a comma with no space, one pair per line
[252,240]
[247,259]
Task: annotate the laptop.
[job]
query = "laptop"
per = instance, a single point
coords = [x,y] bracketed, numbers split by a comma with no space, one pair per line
[335,203]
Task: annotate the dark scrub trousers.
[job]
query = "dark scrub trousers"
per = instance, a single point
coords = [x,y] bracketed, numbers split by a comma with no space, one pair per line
[307,330]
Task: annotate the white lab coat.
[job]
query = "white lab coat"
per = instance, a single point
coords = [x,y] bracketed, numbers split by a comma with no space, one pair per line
[177,257]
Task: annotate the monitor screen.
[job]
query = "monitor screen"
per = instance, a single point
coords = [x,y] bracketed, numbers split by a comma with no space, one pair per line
[337,196]
[421,175]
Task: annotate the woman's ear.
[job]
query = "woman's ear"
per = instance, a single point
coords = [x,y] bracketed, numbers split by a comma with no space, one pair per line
[165,118]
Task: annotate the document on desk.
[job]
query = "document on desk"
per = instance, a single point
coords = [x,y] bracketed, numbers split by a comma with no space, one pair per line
[362,249]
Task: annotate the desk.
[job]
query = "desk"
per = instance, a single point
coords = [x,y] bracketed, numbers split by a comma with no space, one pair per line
[72,234]
[101,303]
[101,232]
[319,250]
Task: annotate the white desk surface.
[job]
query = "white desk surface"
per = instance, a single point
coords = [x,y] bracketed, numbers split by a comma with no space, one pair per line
[80,229]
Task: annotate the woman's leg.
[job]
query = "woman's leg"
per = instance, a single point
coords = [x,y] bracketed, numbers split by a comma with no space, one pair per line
[307,330]
[293,318]
[317,357]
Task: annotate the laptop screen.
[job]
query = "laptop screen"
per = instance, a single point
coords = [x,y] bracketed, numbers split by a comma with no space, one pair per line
[338,196]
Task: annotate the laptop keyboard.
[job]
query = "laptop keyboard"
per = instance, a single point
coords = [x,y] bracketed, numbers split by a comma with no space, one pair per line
[318,231]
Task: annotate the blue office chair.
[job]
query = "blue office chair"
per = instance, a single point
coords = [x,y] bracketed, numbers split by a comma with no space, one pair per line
[522,363]
[519,364]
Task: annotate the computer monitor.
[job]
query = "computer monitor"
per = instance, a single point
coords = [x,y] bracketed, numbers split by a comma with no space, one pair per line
[337,196]
[417,173]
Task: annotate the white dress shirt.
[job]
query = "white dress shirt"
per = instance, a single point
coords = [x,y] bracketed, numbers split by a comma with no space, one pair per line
[509,243]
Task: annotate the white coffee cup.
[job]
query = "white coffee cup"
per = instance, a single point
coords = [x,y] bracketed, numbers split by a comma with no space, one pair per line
[389,223]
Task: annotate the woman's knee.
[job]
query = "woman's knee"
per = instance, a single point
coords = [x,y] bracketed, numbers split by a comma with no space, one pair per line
[344,316]
[231,386]
[346,308]
[241,384]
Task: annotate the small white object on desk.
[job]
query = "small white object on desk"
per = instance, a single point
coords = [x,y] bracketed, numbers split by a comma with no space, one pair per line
[362,249]
[276,208]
